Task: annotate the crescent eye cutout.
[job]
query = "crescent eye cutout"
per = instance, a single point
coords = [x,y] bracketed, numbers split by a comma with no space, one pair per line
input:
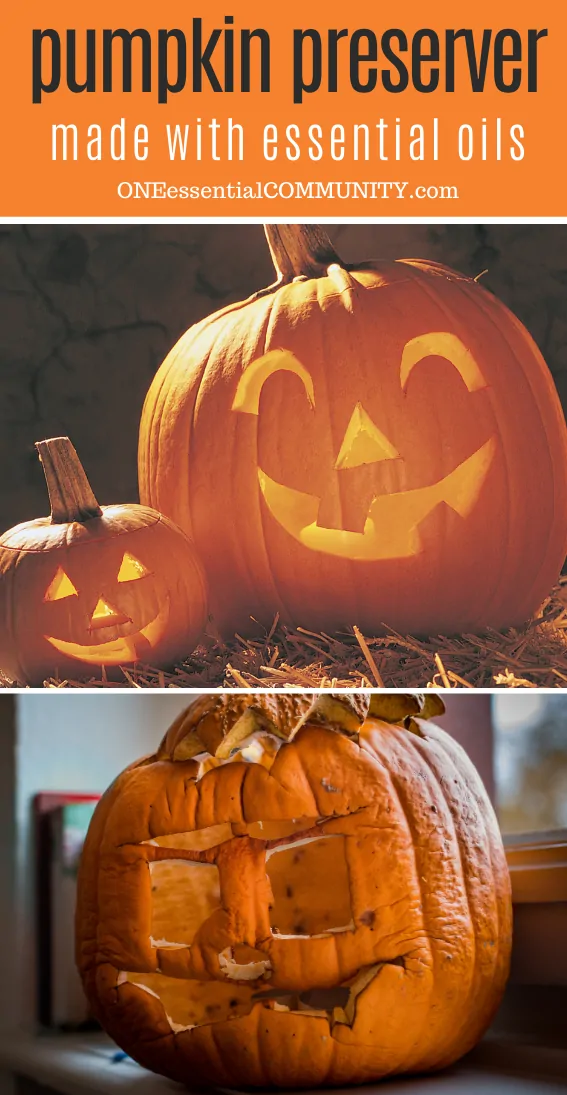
[131,569]
[247,398]
[442,344]
[60,586]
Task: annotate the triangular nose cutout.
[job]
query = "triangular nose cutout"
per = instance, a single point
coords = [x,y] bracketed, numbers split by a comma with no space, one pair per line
[103,610]
[363,442]
[105,615]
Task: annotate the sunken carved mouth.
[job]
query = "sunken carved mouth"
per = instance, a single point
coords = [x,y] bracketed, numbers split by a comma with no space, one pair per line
[391,529]
[191,1004]
[127,648]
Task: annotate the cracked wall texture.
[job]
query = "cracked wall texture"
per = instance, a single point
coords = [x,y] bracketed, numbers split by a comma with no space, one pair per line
[88,312]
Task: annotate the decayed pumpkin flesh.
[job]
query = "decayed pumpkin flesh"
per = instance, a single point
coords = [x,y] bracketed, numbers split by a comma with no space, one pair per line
[336,916]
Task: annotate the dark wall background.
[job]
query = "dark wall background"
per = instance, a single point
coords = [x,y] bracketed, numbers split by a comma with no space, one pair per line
[88,312]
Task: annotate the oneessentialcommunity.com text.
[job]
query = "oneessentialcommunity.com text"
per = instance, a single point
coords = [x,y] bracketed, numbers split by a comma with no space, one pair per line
[135,189]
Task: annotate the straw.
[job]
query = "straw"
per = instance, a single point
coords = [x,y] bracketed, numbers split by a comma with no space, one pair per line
[534,655]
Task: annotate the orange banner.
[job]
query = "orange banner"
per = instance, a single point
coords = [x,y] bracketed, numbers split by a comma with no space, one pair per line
[301,112]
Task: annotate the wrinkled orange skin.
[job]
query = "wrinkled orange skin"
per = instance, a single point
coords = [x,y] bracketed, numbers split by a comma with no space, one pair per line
[429,885]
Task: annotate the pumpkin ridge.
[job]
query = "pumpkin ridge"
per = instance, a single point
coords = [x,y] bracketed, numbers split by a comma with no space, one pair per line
[265,1060]
[495,595]
[424,1045]
[223,1069]
[327,402]
[159,400]
[466,290]
[421,1046]
[89,868]
[420,748]
[268,577]
[167,374]
[545,414]
[491,833]
[275,775]
[197,386]
[253,577]
[241,792]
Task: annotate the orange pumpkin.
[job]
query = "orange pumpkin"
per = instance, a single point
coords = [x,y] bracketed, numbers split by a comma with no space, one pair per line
[295,892]
[92,586]
[372,444]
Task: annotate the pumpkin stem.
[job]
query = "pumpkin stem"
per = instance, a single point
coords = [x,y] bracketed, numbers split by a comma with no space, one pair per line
[300,249]
[70,494]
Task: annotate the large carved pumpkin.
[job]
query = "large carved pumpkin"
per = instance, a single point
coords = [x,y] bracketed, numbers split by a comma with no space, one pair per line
[291,892]
[91,586]
[363,445]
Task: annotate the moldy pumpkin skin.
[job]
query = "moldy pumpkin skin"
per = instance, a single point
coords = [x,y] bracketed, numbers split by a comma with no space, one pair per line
[235,478]
[429,892]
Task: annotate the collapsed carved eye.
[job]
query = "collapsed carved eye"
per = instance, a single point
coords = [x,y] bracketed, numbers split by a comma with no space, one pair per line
[310,887]
[131,569]
[60,586]
[184,895]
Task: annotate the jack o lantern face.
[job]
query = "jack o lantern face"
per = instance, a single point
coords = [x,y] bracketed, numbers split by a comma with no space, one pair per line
[298,859]
[391,525]
[258,907]
[296,901]
[121,639]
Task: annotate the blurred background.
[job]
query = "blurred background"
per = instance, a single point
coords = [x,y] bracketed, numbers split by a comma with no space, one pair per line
[530,761]
[88,312]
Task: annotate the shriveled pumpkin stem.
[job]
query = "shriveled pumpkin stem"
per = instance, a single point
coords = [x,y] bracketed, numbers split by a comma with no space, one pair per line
[298,249]
[70,494]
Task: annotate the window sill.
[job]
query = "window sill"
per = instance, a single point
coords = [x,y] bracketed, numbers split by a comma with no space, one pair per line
[79,1064]
[538,866]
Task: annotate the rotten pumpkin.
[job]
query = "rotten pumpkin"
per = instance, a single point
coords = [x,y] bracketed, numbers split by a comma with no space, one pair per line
[296,890]
[370,444]
[91,586]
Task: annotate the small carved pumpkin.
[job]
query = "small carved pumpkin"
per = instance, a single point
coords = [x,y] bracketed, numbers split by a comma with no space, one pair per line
[375,444]
[296,891]
[92,586]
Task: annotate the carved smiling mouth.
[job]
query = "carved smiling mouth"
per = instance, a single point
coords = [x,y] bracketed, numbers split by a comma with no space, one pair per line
[391,530]
[126,648]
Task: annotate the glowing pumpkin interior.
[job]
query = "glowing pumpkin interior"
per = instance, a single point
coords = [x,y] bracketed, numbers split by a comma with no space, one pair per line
[117,648]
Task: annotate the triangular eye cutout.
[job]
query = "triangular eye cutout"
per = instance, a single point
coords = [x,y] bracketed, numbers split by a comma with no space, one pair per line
[131,568]
[60,586]
[363,442]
